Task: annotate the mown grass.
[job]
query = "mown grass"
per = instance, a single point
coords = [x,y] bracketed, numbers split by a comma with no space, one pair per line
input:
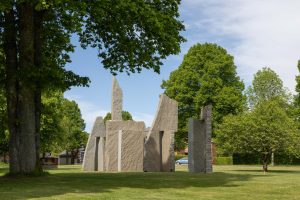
[227,182]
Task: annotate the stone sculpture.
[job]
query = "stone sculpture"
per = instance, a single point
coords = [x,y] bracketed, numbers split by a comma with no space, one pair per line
[159,144]
[120,145]
[199,142]
[117,101]
[94,153]
[123,135]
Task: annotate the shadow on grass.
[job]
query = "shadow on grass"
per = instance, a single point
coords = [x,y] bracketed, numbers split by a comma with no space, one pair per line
[61,183]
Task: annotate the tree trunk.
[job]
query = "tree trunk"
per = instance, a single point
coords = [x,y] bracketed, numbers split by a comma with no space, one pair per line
[72,157]
[23,95]
[67,157]
[4,158]
[38,18]
[11,68]
[27,110]
[265,160]
[265,167]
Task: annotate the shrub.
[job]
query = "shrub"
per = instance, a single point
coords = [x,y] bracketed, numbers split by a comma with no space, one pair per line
[224,160]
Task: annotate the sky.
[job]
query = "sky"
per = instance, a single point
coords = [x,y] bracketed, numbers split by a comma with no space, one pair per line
[257,33]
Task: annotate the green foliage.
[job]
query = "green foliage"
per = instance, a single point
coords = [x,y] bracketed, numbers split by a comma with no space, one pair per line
[132,35]
[266,129]
[295,108]
[246,159]
[206,76]
[266,85]
[61,124]
[52,132]
[73,126]
[125,116]
[253,159]
[224,160]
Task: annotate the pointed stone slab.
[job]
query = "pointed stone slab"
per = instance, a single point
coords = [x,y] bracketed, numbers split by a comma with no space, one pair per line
[159,144]
[117,98]
[94,152]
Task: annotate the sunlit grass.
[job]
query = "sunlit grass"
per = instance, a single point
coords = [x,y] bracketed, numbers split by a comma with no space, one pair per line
[227,182]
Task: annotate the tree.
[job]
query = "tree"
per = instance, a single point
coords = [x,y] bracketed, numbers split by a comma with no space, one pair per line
[125,116]
[35,38]
[206,76]
[52,132]
[73,127]
[295,109]
[264,130]
[266,85]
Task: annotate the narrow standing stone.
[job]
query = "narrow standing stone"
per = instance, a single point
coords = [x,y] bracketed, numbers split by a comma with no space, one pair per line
[199,142]
[117,98]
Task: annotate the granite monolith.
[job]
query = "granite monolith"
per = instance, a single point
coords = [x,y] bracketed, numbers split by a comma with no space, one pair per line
[199,142]
[94,153]
[159,144]
[117,98]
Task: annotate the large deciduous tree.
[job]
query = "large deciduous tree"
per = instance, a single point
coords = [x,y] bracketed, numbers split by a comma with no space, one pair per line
[266,127]
[206,76]
[73,127]
[35,38]
[263,131]
[52,131]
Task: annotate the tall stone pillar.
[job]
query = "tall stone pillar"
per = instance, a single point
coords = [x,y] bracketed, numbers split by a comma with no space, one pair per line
[199,142]
[116,104]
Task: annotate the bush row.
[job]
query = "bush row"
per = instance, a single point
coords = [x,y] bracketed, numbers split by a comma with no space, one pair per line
[279,159]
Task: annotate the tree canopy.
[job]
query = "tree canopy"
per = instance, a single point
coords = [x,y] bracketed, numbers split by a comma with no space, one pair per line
[266,127]
[52,131]
[263,131]
[207,75]
[266,85]
[35,38]
[125,116]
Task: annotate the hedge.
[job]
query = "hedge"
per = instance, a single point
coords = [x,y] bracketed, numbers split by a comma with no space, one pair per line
[279,159]
[224,160]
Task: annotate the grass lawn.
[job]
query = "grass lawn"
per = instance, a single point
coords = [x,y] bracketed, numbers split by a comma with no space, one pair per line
[227,182]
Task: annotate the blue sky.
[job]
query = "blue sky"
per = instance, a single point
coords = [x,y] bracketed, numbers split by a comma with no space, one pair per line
[257,33]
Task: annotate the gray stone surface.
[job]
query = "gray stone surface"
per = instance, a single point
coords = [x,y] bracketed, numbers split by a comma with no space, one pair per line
[101,154]
[117,98]
[131,151]
[159,144]
[199,142]
[112,141]
[93,155]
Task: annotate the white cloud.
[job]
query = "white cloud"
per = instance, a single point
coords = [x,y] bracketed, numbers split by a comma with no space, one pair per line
[89,111]
[264,33]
